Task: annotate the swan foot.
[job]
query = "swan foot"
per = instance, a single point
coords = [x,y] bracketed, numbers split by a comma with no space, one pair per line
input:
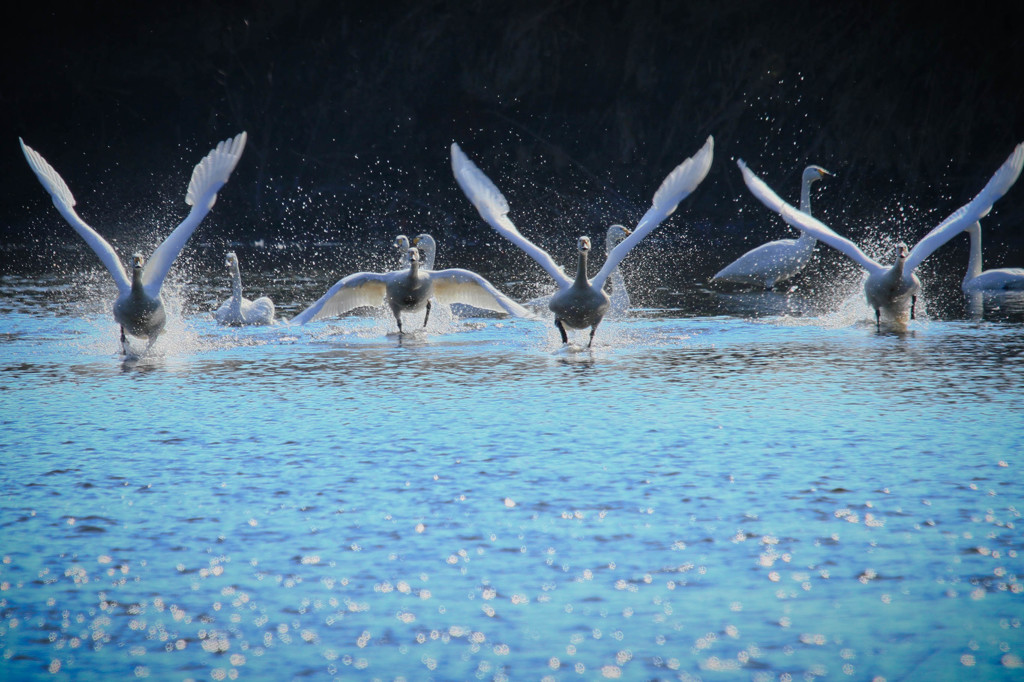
[561,329]
[427,316]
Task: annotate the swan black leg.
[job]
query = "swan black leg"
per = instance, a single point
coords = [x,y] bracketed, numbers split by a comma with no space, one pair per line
[561,329]
[592,331]
[878,319]
[913,305]
[124,342]
[398,319]
[427,316]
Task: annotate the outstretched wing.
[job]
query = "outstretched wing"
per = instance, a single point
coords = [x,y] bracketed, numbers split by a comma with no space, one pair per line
[455,285]
[676,187]
[208,177]
[493,208]
[355,291]
[970,213]
[805,222]
[65,202]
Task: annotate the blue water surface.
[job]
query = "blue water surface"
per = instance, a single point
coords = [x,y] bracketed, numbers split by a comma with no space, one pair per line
[781,496]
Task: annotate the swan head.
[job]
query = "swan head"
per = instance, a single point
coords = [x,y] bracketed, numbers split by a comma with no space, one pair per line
[901,252]
[230,259]
[424,241]
[616,233]
[138,261]
[402,243]
[583,244]
[414,255]
[813,173]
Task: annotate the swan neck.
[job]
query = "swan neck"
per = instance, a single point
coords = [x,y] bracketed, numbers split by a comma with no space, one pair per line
[137,286]
[805,196]
[581,269]
[974,262]
[236,282]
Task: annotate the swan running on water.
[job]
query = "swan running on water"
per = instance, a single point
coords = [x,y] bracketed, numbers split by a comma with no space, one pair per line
[892,288]
[998,279]
[776,261]
[239,311]
[579,303]
[410,290]
[138,308]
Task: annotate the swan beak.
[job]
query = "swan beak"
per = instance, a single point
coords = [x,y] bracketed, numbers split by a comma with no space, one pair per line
[822,172]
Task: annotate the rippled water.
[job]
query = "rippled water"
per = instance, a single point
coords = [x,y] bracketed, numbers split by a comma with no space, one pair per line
[744,486]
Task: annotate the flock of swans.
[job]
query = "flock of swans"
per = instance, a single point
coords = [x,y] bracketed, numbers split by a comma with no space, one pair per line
[580,302]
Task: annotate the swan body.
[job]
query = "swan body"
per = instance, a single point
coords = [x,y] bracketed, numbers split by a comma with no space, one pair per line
[410,290]
[579,303]
[779,260]
[890,289]
[239,311]
[999,279]
[139,309]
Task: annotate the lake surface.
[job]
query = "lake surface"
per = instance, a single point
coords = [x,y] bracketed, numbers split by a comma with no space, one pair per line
[728,486]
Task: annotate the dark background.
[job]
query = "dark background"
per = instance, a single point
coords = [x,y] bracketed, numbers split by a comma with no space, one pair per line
[576,109]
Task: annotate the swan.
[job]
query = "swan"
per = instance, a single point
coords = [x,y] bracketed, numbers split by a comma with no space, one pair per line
[776,261]
[429,249]
[139,309]
[579,303]
[410,290]
[892,288]
[618,298]
[1000,279]
[239,311]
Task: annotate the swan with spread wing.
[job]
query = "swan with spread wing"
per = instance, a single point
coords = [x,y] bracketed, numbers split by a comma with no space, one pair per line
[579,302]
[139,309]
[410,290]
[893,288]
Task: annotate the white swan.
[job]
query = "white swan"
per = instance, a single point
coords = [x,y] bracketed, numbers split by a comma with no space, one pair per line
[579,303]
[410,290]
[424,242]
[239,311]
[999,279]
[776,261]
[138,308]
[892,288]
[619,296]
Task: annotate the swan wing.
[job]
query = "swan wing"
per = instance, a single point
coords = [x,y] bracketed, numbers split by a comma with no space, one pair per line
[970,213]
[804,222]
[209,176]
[355,291]
[493,208]
[676,187]
[65,202]
[456,285]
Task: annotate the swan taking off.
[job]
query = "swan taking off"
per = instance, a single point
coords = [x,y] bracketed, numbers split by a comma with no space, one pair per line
[410,290]
[138,308]
[239,311]
[892,288]
[579,303]
[776,261]
[999,279]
